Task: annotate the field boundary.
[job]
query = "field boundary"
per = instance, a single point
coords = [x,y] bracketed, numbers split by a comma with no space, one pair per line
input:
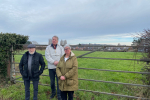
[13,79]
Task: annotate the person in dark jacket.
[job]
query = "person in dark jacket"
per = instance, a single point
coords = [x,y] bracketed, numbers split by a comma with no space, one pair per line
[29,69]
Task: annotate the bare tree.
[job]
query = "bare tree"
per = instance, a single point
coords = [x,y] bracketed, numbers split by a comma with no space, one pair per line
[143,46]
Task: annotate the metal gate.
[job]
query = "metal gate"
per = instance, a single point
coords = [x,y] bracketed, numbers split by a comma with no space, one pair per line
[12,77]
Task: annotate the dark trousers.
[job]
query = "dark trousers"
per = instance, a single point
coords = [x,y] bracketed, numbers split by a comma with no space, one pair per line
[64,95]
[52,74]
[27,89]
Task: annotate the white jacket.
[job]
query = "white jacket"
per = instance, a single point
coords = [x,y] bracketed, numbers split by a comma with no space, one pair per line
[52,55]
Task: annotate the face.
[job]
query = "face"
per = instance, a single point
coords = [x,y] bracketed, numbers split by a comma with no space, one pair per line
[54,40]
[31,50]
[67,50]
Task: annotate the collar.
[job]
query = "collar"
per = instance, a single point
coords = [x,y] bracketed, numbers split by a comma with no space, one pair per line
[71,54]
[54,46]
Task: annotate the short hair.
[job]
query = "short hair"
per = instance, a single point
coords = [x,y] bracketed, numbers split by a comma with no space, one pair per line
[55,37]
[67,45]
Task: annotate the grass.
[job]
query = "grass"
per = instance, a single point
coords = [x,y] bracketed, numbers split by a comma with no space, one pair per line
[16,91]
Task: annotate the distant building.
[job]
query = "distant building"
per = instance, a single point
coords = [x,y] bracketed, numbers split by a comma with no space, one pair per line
[63,42]
[134,44]
[50,41]
[34,42]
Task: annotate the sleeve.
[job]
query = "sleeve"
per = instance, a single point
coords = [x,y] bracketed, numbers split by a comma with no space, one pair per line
[48,56]
[58,72]
[21,65]
[42,63]
[73,70]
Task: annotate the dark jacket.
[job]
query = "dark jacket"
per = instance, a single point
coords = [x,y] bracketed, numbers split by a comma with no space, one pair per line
[37,60]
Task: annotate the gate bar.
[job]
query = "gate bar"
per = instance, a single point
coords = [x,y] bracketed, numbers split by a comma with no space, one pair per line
[115,94]
[114,82]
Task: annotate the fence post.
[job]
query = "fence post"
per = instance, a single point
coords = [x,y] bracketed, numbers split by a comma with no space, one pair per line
[11,62]
[14,73]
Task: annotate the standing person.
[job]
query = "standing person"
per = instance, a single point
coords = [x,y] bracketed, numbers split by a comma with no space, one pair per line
[29,69]
[67,72]
[53,54]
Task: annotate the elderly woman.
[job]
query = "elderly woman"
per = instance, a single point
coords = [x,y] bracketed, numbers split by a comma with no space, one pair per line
[67,72]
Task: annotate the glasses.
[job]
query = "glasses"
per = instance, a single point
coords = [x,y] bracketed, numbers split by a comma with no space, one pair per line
[67,49]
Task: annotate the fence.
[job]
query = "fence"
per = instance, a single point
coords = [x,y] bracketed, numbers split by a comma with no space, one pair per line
[82,56]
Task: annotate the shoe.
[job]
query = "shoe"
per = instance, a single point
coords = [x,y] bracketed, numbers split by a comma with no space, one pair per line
[52,96]
[59,98]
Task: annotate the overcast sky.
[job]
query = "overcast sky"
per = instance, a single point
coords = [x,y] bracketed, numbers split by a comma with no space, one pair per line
[77,21]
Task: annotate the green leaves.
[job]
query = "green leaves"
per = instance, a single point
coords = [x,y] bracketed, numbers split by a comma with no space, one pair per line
[7,40]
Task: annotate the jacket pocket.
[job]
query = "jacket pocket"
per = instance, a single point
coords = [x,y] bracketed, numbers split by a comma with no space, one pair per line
[25,61]
[69,82]
[36,62]
[36,73]
[24,74]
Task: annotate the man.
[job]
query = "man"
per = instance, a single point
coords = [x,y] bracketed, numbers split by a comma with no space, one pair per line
[53,53]
[29,69]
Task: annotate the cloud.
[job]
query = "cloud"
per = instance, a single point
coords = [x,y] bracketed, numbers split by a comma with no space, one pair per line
[125,39]
[75,19]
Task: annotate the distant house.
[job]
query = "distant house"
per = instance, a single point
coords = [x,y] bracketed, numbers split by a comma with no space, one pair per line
[134,44]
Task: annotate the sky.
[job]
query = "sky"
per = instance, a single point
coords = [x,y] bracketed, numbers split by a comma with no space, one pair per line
[77,21]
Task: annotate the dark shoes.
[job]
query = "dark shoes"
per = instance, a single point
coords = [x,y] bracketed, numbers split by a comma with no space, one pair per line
[52,96]
[59,98]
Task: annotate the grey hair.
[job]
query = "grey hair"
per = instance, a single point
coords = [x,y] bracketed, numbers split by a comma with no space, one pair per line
[55,37]
[67,45]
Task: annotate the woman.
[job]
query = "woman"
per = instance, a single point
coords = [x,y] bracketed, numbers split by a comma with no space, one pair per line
[67,72]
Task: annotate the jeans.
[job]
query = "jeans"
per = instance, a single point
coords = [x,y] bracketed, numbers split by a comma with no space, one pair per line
[64,95]
[52,74]
[27,89]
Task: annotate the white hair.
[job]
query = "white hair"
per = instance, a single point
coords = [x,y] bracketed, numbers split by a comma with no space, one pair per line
[67,45]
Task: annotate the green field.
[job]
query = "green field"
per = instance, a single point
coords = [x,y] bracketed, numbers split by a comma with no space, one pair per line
[16,91]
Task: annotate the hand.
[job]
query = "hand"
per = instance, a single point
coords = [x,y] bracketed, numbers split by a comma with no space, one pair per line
[62,78]
[55,63]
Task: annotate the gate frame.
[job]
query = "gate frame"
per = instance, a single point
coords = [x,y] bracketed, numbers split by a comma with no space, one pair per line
[14,80]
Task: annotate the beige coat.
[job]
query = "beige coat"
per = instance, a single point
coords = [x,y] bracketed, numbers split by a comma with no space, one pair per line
[69,69]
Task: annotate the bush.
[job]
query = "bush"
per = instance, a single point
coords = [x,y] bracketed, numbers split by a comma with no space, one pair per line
[7,40]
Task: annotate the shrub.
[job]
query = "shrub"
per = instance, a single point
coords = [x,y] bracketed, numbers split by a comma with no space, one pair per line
[7,40]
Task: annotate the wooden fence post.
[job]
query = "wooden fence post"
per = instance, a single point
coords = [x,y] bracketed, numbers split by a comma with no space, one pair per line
[11,69]
[8,69]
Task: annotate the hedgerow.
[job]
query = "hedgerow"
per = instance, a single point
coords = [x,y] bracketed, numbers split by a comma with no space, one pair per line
[7,40]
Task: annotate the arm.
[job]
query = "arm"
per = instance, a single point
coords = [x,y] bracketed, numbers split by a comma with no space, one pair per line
[48,56]
[61,54]
[73,70]
[58,72]
[42,63]
[21,66]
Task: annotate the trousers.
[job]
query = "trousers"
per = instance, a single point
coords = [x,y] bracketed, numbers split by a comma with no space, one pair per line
[52,74]
[27,89]
[64,95]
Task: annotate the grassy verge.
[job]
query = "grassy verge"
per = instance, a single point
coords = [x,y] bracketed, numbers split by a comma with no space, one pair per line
[16,91]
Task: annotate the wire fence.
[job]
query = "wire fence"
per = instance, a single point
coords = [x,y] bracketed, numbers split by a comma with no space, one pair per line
[82,56]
